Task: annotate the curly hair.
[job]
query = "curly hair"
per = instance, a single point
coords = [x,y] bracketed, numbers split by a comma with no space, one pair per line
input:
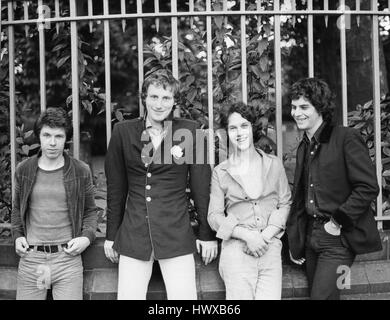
[160,78]
[318,93]
[54,118]
[249,113]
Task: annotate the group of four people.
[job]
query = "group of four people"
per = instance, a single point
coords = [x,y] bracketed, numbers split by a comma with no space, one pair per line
[248,204]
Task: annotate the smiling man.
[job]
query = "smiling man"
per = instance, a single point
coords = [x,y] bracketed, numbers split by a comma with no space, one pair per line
[334,184]
[54,216]
[147,214]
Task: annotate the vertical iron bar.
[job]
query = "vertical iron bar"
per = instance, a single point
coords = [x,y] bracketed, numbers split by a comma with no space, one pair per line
[278,83]
[157,10]
[243,54]
[210,84]
[42,62]
[358,16]
[326,7]
[343,56]
[191,9]
[123,11]
[57,14]
[140,37]
[25,15]
[12,109]
[75,81]
[310,39]
[377,108]
[90,14]
[225,8]
[107,66]
[175,48]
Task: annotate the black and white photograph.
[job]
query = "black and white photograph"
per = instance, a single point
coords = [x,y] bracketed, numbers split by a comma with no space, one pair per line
[195,155]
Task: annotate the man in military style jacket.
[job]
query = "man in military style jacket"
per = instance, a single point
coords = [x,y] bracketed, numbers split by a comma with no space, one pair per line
[148,163]
[334,185]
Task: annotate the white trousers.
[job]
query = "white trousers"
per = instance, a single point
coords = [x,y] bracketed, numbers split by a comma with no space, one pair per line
[178,274]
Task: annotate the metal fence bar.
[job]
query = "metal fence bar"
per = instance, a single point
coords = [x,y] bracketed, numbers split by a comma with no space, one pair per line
[201,14]
[90,14]
[107,76]
[12,109]
[140,37]
[75,81]
[243,54]
[175,48]
[343,56]
[157,10]
[310,39]
[57,13]
[377,108]
[42,62]
[123,11]
[209,39]
[25,15]
[278,84]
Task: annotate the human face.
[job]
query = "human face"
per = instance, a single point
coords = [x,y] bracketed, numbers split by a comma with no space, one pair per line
[159,103]
[240,132]
[52,142]
[306,116]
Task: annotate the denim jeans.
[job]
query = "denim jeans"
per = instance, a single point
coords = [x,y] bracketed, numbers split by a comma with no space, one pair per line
[250,278]
[178,273]
[39,271]
[327,260]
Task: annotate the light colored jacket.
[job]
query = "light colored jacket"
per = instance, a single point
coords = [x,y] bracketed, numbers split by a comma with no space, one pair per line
[231,206]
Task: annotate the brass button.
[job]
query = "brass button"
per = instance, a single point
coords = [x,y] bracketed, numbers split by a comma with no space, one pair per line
[148,187]
[148,199]
[148,174]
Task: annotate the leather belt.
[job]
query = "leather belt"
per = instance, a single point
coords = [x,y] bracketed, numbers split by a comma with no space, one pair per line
[49,248]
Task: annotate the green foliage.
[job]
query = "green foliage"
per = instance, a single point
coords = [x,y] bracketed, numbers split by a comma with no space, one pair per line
[363,120]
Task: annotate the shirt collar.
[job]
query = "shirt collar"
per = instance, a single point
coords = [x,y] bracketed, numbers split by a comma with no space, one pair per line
[316,135]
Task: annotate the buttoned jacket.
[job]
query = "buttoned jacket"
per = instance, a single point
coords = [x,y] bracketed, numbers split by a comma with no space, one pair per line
[147,208]
[231,205]
[344,184]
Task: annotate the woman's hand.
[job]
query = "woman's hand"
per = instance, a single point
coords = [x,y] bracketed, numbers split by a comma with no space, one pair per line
[255,243]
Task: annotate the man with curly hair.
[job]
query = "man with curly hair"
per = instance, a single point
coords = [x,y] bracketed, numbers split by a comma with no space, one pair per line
[334,185]
[54,215]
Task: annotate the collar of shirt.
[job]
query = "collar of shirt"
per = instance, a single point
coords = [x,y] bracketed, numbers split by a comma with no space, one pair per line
[316,135]
[156,135]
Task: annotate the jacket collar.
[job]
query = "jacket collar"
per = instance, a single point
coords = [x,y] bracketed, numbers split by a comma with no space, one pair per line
[36,157]
[326,133]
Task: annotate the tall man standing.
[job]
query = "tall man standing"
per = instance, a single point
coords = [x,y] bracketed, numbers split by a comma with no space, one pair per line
[335,182]
[54,216]
[147,215]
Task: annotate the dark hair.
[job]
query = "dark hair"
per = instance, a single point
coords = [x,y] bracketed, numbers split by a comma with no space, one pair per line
[318,93]
[54,118]
[248,112]
[160,78]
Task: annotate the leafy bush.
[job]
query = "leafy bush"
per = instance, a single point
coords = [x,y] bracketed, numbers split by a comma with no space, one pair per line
[363,119]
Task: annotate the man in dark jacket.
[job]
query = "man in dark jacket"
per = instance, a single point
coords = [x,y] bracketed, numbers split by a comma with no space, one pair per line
[54,216]
[148,163]
[334,185]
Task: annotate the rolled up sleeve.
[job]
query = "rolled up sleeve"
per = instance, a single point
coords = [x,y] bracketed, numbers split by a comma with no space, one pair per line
[219,222]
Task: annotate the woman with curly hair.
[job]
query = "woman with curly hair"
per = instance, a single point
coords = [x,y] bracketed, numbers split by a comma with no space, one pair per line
[249,206]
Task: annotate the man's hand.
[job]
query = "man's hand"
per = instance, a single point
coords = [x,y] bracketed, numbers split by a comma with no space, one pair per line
[332,228]
[255,243]
[77,245]
[110,253]
[21,246]
[247,251]
[297,261]
[209,250]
